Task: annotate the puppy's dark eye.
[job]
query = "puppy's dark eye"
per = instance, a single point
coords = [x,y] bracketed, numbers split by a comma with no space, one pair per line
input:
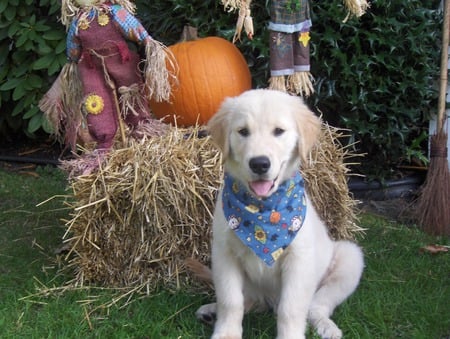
[278,131]
[244,132]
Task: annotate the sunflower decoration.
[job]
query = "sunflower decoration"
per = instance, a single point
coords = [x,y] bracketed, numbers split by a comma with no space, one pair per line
[83,24]
[260,235]
[103,19]
[94,104]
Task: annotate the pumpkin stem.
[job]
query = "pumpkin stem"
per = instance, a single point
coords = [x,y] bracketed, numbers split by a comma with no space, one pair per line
[189,33]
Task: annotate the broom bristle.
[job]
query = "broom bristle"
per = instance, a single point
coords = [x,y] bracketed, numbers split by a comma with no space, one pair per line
[432,209]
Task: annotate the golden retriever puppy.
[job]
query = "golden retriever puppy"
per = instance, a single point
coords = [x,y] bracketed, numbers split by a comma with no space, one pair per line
[270,249]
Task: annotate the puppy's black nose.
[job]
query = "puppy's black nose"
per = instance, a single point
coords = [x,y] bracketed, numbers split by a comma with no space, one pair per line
[259,165]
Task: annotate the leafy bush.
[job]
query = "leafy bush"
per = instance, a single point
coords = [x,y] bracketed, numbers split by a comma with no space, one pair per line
[376,76]
[32,51]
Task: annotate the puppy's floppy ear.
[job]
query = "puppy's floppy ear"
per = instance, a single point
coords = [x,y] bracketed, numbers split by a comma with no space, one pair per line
[218,127]
[308,127]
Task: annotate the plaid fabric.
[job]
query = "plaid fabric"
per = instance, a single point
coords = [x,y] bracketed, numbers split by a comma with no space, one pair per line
[289,15]
[130,26]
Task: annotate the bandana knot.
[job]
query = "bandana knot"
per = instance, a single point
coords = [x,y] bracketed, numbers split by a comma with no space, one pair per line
[269,225]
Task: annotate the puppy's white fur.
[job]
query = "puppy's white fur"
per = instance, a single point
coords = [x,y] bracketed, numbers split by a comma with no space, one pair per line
[315,273]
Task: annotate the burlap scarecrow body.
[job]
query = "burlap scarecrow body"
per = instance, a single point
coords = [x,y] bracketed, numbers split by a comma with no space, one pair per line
[96,42]
[103,82]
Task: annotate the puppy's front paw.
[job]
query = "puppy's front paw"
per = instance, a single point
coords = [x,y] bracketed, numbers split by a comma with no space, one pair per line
[327,329]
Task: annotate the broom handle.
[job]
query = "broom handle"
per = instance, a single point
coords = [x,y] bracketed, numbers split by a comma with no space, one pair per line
[444,67]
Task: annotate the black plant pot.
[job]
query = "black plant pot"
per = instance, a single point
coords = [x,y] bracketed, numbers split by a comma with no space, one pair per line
[406,187]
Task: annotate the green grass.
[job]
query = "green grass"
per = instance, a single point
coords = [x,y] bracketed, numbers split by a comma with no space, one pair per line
[403,294]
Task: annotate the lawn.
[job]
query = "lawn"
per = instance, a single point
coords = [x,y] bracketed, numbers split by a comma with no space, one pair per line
[404,293]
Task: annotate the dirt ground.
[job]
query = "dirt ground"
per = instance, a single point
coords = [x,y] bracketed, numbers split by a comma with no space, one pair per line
[399,210]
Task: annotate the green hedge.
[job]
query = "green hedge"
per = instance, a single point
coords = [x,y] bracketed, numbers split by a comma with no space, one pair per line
[375,75]
[32,51]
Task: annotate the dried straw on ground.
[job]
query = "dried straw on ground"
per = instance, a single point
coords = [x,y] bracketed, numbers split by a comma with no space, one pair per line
[149,207]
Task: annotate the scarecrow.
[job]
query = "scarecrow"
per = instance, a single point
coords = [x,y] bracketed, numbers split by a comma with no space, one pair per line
[103,83]
[289,27]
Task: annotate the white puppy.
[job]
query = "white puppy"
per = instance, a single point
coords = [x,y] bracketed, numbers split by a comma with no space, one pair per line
[270,248]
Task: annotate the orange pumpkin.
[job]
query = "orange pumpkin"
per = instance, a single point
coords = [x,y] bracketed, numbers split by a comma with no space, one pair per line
[209,69]
[275,217]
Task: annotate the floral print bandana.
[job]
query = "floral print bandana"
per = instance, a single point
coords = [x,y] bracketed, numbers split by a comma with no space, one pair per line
[267,226]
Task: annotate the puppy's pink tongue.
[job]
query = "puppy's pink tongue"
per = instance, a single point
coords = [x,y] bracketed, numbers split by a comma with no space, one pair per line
[261,187]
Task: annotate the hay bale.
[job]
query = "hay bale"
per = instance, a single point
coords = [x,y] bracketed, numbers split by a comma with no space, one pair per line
[326,177]
[149,207]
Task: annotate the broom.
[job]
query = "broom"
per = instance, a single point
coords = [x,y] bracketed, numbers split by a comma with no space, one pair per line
[433,206]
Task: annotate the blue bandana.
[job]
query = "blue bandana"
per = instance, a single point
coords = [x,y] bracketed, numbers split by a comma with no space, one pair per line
[267,226]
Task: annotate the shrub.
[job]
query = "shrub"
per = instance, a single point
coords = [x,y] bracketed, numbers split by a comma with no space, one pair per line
[32,51]
[376,76]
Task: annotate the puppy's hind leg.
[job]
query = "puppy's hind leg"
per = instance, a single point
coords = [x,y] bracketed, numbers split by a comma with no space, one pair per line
[340,282]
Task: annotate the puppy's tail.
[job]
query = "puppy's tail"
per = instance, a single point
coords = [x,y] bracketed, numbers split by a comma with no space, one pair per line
[200,271]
